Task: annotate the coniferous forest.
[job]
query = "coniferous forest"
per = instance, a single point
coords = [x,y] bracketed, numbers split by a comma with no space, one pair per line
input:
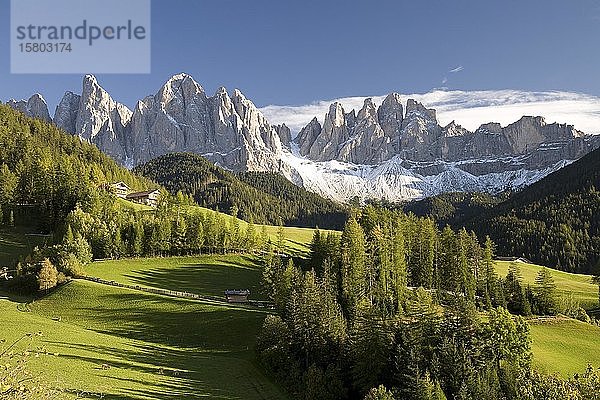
[392,309]
[266,198]
[554,222]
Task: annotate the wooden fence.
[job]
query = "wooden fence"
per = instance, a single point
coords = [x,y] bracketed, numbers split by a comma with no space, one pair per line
[172,293]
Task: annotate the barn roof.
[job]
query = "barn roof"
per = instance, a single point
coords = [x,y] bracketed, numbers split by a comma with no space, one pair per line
[141,194]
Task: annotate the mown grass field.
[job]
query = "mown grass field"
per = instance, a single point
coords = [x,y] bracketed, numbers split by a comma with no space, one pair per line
[565,346]
[206,275]
[579,286]
[145,338]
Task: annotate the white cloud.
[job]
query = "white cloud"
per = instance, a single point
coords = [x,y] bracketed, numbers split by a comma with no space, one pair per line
[469,109]
[457,69]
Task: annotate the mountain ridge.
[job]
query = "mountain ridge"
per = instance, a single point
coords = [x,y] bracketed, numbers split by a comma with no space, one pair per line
[394,152]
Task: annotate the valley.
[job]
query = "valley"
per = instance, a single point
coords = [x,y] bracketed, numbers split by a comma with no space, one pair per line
[309,272]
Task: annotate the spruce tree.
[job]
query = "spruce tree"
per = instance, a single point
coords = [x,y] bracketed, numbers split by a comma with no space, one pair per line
[353,265]
[545,293]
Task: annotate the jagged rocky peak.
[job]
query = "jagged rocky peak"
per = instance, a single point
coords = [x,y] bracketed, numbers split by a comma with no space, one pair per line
[391,110]
[369,110]
[490,128]
[453,130]
[285,135]
[413,134]
[307,136]
[391,116]
[336,116]
[178,89]
[98,113]
[65,115]
[333,133]
[34,107]
[414,108]
[229,130]
[257,131]
[529,132]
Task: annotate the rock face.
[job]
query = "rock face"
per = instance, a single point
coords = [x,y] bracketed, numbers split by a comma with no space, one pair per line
[228,130]
[35,107]
[395,151]
[65,115]
[95,117]
[285,135]
[379,134]
[370,136]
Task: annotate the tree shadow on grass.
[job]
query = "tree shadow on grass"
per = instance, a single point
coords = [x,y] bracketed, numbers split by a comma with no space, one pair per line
[204,278]
[209,345]
[174,373]
[156,319]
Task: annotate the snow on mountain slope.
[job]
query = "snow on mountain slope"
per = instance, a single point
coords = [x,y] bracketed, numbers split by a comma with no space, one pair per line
[392,181]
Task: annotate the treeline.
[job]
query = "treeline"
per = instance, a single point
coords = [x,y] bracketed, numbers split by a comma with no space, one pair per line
[553,222]
[453,208]
[100,228]
[389,309]
[267,198]
[47,171]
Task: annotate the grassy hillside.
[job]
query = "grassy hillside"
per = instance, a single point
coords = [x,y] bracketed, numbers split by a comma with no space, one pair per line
[206,275]
[145,337]
[580,286]
[565,346]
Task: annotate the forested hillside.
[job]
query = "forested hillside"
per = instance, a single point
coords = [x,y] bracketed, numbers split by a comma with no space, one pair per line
[453,208]
[554,222]
[45,172]
[392,309]
[266,198]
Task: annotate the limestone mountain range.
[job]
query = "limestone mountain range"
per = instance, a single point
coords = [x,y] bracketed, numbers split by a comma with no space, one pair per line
[395,150]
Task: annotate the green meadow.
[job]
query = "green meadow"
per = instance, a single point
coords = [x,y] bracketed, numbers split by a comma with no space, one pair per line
[579,286]
[154,346]
[565,345]
[127,344]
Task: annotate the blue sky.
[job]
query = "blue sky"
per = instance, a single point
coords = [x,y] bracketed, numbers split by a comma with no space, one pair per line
[282,52]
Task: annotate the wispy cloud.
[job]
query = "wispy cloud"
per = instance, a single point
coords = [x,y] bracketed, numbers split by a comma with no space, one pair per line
[470,109]
[457,69]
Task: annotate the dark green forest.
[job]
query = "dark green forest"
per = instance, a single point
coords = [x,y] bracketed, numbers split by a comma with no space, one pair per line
[266,198]
[395,308]
[453,208]
[45,172]
[554,222]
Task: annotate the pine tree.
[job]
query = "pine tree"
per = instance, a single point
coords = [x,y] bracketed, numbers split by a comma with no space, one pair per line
[398,277]
[250,239]
[353,265]
[236,234]
[137,244]
[545,293]
[490,279]
[280,237]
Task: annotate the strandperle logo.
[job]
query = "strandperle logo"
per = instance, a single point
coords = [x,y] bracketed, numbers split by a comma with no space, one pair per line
[85,31]
[80,36]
